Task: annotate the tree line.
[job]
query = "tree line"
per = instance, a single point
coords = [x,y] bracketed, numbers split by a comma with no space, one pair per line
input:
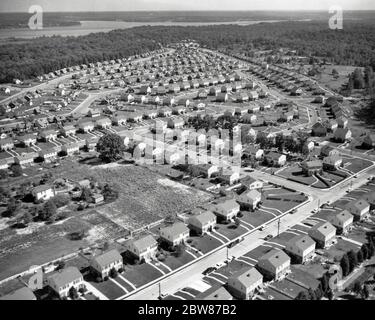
[351,46]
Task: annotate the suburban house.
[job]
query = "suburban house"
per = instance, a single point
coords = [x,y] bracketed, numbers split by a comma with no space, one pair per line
[103,123]
[243,283]
[342,134]
[250,199]
[144,248]
[26,159]
[253,95]
[70,148]
[251,183]
[323,233]
[274,265]
[227,210]
[369,141]
[119,119]
[358,208]
[332,163]
[202,223]
[68,130]
[275,159]
[328,151]
[175,234]
[6,144]
[63,280]
[27,139]
[287,116]
[253,152]
[342,122]
[86,126]
[222,97]
[133,116]
[300,248]
[249,118]
[175,123]
[229,177]
[165,112]
[309,168]
[331,125]
[48,154]
[48,135]
[206,170]
[43,192]
[217,293]
[24,293]
[104,263]
[318,130]
[370,198]
[341,221]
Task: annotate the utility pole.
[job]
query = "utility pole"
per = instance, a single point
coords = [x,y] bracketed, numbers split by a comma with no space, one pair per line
[278,227]
[159,289]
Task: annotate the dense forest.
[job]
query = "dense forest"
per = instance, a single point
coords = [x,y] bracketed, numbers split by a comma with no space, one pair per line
[354,45]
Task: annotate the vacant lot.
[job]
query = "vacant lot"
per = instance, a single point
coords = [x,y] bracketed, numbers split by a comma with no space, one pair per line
[144,196]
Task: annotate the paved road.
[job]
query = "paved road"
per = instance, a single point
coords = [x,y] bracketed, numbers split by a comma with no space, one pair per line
[193,273]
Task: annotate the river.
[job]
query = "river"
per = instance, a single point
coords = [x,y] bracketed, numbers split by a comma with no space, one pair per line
[88,27]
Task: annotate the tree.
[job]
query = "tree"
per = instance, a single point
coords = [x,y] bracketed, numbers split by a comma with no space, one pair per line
[365,252]
[73,294]
[48,211]
[12,207]
[113,273]
[4,194]
[357,287]
[109,193]
[335,73]
[16,169]
[110,147]
[344,264]
[60,265]
[312,294]
[318,292]
[360,256]
[3,174]
[353,261]
[325,283]
[303,295]
[358,79]
[365,292]
[371,249]
[86,194]
[27,218]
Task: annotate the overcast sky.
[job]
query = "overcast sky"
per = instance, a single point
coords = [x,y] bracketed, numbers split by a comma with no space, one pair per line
[153,5]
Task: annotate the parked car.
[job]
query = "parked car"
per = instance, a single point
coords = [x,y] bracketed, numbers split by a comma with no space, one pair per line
[209,270]
[269,237]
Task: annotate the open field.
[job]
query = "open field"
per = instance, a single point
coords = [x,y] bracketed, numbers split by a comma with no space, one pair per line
[144,197]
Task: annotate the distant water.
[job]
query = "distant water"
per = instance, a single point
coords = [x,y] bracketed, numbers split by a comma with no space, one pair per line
[88,27]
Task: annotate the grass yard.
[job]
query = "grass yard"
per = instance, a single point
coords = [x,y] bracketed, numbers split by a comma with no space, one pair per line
[176,262]
[256,218]
[230,231]
[141,274]
[109,289]
[339,249]
[205,244]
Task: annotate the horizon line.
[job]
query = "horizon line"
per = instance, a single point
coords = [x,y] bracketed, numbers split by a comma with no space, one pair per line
[162,10]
